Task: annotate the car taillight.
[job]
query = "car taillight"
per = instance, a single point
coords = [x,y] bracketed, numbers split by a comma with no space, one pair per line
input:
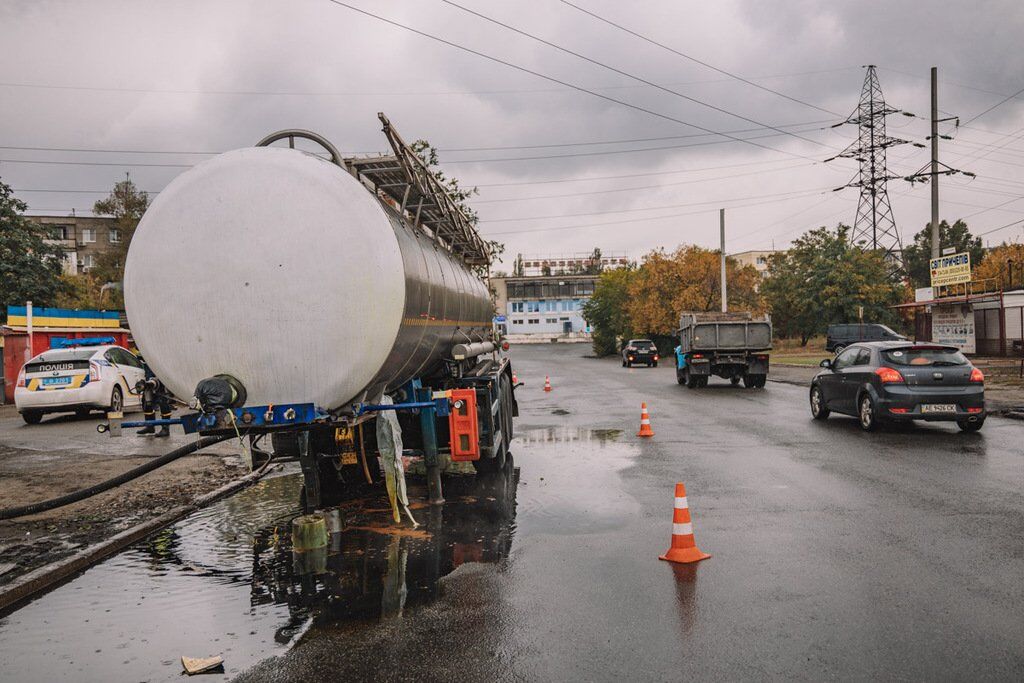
[977,375]
[21,377]
[655,356]
[889,376]
[898,411]
[94,371]
[698,355]
[974,411]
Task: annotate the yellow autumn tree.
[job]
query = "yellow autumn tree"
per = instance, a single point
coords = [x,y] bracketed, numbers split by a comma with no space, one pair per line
[995,265]
[688,279]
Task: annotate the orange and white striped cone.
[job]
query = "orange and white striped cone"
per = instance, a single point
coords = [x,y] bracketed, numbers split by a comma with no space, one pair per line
[684,548]
[645,422]
[547,383]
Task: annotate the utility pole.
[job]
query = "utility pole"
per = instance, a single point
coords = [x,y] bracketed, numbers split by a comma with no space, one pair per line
[936,247]
[725,296]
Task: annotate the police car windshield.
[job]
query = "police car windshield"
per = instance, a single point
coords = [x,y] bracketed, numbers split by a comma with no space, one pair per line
[55,355]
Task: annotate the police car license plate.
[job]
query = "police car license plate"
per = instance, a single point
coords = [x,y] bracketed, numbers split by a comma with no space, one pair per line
[938,408]
[55,381]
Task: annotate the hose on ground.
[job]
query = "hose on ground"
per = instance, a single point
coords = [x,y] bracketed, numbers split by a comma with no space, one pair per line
[82,494]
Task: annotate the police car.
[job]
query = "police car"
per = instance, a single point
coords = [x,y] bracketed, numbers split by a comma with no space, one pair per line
[78,379]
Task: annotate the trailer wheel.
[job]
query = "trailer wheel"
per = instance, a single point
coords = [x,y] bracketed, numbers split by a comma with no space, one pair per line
[754,381]
[692,381]
[680,379]
[734,380]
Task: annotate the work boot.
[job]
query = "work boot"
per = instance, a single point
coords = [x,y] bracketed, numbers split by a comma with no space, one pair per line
[165,430]
[146,431]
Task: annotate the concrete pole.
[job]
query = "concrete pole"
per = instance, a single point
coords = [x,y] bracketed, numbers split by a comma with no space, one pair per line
[28,327]
[725,295]
[936,247]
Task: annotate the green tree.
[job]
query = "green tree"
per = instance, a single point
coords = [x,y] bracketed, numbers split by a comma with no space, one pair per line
[30,266]
[605,311]
[126,203]
[824,279]
[428,155]
[916,256]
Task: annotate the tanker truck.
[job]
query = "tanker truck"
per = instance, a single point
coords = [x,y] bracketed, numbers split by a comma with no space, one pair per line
[299,296]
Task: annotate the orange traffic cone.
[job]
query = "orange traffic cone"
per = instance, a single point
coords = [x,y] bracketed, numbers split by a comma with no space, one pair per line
[547,383]
[684,548]
[645,422]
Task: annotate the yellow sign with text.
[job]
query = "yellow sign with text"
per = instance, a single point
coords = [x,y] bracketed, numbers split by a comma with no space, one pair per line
[951,270]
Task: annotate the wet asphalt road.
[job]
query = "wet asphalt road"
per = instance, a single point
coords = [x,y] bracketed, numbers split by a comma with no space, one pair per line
[835,554]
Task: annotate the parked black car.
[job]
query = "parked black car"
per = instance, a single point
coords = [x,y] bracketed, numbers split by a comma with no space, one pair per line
[641,351]
[839,337]
[900,381]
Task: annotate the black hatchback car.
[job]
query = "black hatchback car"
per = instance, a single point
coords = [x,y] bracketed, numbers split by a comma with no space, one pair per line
[900,381]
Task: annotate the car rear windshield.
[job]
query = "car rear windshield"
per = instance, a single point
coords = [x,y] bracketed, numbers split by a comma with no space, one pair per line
[925,356]
[643,343]
[63,355]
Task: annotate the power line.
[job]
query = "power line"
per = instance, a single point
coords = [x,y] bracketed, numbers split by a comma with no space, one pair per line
[92,163]
[413,93]
[497,60]
[652,208]
[616,142]
[624,73]
[660,148]
[636,220]
[695,60]
[997,104]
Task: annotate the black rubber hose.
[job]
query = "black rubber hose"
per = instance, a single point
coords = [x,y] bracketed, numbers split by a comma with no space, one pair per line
[82,494]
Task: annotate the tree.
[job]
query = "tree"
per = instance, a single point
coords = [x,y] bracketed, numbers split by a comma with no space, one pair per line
[126,203]
[824,279]
[917,256]
[30,266]
[594,266]
[428,155]
[689,279]
[997,265]
[605,311]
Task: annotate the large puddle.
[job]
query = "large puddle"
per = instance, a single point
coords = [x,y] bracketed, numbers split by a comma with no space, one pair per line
[225,582]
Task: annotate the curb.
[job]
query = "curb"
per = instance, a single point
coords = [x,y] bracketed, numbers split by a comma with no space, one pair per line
[47,577]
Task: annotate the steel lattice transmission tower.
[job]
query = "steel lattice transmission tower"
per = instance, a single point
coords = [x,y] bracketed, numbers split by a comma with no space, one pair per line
[874,227]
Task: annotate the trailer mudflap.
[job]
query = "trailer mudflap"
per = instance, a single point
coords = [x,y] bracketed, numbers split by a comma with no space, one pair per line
[463,426]
[757,364]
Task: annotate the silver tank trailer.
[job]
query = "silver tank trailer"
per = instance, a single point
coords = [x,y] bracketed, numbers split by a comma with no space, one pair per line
[281,269]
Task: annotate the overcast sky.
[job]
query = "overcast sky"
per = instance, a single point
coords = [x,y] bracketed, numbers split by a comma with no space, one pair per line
[208,76]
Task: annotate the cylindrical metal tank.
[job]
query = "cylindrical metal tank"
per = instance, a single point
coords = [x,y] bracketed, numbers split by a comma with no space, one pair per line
[281,269]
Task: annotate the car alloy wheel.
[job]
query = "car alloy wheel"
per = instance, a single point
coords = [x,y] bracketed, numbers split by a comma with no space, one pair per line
[868,422]
[818,409]
[116,402]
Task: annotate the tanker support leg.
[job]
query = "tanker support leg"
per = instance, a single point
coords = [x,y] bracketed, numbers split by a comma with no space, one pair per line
[310,473]
[430,456]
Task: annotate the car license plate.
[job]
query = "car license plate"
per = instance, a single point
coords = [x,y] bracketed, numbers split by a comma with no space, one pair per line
[55,381]
[938,408]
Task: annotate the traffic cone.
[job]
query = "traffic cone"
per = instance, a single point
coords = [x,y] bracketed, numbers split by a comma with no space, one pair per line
[547,383]
[515,380]
[683,549]
[645,422]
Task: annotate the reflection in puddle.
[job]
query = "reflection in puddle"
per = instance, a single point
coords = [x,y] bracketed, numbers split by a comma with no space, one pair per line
[565,434]
[225,581]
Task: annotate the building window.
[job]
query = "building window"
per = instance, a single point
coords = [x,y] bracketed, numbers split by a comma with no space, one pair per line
[761,260]
[114,234]
[58,232]
[532,307]
[533,321]
[86,262]
[551,320]
[517,322]
[88,235]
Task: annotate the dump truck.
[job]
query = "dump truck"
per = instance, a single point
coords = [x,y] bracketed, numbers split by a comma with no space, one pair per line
[309,298]
[732,346]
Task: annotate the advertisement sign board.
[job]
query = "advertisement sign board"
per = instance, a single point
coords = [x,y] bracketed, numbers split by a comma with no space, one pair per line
[951,270]
[954,325]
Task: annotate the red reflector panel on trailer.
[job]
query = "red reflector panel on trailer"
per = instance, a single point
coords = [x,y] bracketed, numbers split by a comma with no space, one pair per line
[465,439]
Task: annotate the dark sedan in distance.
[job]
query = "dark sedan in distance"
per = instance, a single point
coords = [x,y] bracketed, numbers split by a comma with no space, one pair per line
[900,381]
[642,351]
